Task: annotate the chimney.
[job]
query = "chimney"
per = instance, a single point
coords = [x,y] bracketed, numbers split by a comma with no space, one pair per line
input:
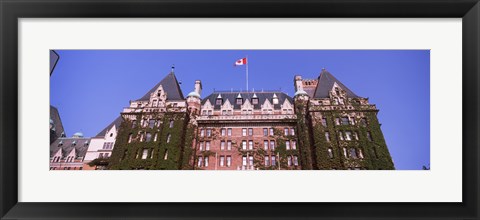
[198,87]
[298,83]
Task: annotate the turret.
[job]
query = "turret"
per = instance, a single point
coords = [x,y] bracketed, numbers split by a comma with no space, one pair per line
[193,98]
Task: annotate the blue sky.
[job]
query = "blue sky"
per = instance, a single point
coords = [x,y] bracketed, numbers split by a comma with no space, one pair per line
[91,87]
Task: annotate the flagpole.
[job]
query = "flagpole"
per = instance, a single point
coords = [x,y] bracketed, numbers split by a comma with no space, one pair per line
[247,71]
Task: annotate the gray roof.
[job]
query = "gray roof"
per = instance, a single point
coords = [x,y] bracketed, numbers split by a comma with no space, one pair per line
[232,96]
[170,86]
[116,122]
[325,85]
[57,122]
[67,146]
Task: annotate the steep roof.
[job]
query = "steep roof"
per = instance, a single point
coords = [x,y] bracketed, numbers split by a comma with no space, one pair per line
[232,96]
[170,86]
[116,122]
[67,146]
[325,84]
[57,121]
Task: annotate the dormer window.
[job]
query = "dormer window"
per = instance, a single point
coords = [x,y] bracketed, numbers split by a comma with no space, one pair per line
[337,91]
[239,101]
[218,102]
[255,101]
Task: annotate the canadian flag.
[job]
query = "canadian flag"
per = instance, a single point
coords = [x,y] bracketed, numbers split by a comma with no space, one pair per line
[240,62]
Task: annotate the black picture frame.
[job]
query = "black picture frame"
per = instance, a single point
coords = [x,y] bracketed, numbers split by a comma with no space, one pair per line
[12,10]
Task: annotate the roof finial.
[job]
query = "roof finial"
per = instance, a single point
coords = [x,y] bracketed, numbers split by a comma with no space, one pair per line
[173,68]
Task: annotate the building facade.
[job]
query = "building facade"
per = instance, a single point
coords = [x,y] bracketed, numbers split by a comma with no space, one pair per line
[68,153]
[101,147]
[323,126]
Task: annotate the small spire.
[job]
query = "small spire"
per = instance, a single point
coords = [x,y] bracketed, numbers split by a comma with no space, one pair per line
[173,68]
[219,96]
[239,96]
[274,95]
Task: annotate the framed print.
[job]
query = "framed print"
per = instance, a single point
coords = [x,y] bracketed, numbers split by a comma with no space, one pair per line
[280,109]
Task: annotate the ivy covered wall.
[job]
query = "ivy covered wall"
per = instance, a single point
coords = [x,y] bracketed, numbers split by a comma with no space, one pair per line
[163,153]
[366,148]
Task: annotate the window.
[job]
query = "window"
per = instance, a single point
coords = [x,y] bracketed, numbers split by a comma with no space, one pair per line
[272,145]
[345,152]
[168,138]
[345,121]
[244,145]
[363,122]
[294,145]
[210,112]
[111,134]
[165,156]
[141,137]
[149,137]
[244,161]
[209,132]
[207,145]
[229,161]
[145,154]
[224,112]
[353,153]
[202,133]
[239,101]
[171,124]
[200,161]
[292,131]
[223,132]
[327,136]
[348,135]
[267,160]
[337,121]
[254,101]
[250,145]
[295,160]
[369,136]
[222,145]
[360,153]
[273,161]
[265,145]
[229,145]
[222,161]
[201,146]
[286,131]
[151,153]
[355,135]
[287,145]
[340,135]
[155,137]
[250,160]
[151,123]
[265,132]
[271,131]
[244,132]
[330,153]
[289,161]
[107,145]
[134,123]
[99,156]
[324,122]
[352,121]
[250,132]
[229,132]
[206,161]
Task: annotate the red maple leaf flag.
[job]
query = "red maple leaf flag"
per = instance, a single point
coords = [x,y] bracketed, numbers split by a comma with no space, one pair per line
[240,62]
